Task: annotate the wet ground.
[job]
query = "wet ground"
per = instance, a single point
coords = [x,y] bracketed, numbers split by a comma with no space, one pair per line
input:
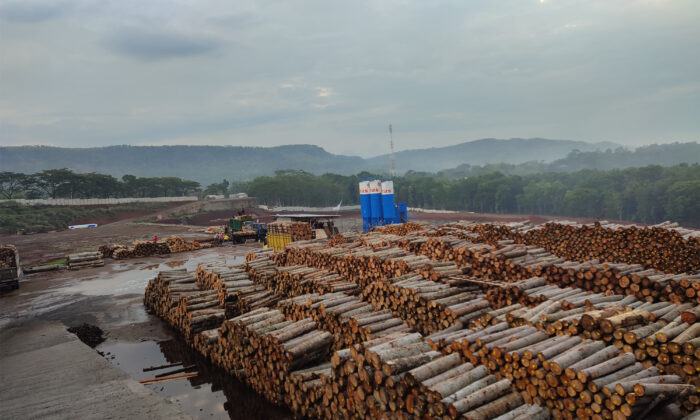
[111,298]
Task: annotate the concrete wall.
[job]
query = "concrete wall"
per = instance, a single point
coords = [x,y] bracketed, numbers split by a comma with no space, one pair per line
[98,201]
[212,205]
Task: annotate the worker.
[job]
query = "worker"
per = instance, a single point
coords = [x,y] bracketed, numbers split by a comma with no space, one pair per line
[225,238]
[155,239]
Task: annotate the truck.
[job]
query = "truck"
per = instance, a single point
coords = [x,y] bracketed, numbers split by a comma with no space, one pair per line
[10,269]
[249,230]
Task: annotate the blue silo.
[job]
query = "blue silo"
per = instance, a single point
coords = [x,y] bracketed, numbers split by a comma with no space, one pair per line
[375,200]
[365,206]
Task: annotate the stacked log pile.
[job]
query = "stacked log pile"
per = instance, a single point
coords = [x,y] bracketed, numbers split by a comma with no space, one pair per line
[670,250]
[645,284]
[263,348]
[298,279]
[259,253]
[515,262]
[196,313]
[175,297]
[399,228]
[308,391]
[427,306]
[574,378]
[350,320]
[107,251]
[299,231]
[177,244]
[509,345]
[84,260]
[172,244]
[8,257]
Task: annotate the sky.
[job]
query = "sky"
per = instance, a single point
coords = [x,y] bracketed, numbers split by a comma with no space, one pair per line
[336,74]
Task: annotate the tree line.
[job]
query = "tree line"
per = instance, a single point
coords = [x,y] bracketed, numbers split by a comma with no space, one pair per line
[64,183]
[649,194]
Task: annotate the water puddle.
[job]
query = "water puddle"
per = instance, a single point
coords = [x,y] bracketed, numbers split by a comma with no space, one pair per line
[212,394]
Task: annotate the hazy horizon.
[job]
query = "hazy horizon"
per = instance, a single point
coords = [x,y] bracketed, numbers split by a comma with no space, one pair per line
[85,73]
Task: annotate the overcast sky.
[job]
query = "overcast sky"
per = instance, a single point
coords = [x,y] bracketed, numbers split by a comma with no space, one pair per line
[335,74]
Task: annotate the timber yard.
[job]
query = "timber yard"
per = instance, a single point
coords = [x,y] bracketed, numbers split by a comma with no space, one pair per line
[439,316]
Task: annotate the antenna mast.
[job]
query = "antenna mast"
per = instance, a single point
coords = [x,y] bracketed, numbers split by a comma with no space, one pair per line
[391,146]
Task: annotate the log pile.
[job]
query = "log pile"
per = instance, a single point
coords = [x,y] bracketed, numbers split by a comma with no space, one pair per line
[259,253]
[343,238]
[263,348]
[148,248]
[509,346]
[175,297]
[84,260]
[670,250]
[573,378]
[177,244]
[299,231]
[399,228]
[8,257]
[298,280]
[137,249]
[426,306]
[350,320]
[515,262]
[308,391]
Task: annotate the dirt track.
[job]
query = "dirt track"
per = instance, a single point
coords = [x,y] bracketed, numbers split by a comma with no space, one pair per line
[45,247]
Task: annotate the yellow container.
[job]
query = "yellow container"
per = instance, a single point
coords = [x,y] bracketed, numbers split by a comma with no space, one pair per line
[277,241]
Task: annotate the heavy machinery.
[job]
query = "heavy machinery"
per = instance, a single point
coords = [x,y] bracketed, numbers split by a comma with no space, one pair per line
[10,269]
[249,230]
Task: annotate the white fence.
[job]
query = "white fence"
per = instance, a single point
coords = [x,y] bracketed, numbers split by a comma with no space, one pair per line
[98,201]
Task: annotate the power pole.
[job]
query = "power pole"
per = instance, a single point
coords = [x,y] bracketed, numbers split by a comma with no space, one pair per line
[391,147]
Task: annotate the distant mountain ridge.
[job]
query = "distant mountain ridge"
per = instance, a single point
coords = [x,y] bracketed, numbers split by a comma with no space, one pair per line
[479,152]
[208,164]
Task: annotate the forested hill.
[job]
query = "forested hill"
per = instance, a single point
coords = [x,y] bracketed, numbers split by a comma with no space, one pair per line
[209,164]
[479,152]
[205,164]
[620,158]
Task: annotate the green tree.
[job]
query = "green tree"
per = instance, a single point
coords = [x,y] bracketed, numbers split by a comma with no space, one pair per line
[12,183]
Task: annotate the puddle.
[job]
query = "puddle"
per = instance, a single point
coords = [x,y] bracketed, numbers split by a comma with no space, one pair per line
[212,394]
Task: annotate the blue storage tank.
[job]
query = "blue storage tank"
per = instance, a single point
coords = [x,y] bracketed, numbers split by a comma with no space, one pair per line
[375,200]
[388,207]
[403,213]
[365,207]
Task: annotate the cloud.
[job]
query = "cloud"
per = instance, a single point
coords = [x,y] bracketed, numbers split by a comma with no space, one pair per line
[27,11]
[152,45]
[90,72]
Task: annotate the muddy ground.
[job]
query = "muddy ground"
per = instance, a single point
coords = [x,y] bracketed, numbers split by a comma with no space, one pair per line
[111,298]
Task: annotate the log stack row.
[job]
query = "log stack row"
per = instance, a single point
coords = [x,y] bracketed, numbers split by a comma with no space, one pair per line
[172,244]
[671,250]
[514,262]
[572,377]
[427,306]
[399,228]
[350,320]
[175,297]
[84,260]
[262,347]
[299,231]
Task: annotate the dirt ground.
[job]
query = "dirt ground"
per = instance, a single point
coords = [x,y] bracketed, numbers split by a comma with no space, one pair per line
[51,246]
[45,247]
